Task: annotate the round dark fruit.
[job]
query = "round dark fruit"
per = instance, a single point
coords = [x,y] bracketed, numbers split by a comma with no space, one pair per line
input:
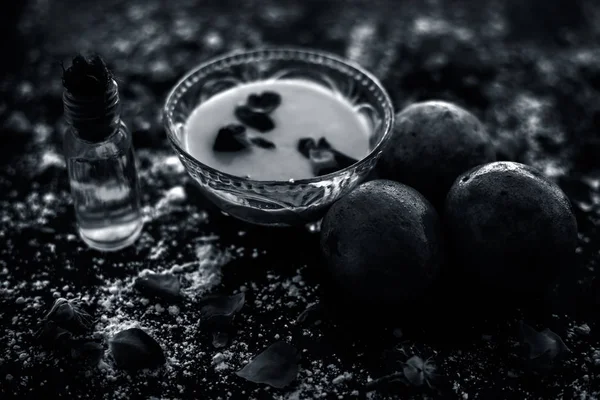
[382,246]
[510,229]
[432,143]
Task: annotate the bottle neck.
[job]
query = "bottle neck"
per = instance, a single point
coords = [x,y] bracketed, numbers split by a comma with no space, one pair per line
[94,118]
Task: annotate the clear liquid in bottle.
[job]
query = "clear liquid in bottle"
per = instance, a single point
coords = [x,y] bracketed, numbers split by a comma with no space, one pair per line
[106,196]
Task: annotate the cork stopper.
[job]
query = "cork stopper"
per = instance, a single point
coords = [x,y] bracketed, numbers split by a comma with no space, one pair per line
[91,99]
[87,77]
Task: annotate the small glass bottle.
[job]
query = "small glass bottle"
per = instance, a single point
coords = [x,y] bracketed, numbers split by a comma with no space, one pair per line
[102,170]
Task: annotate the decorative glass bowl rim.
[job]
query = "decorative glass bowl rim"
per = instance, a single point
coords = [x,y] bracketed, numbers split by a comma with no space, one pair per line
[183,84]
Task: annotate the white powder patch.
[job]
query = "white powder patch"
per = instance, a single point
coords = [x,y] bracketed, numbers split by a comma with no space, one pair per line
[437,26]
[170,197]
[536,119]
[167,165]
[42,133]
[205,273]
[50,158]
[170,201]
[360,45]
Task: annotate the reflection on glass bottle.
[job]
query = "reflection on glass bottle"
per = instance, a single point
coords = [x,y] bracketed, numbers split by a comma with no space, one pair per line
[102,170]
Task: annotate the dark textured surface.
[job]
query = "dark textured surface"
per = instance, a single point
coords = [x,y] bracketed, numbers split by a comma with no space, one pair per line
[530,71]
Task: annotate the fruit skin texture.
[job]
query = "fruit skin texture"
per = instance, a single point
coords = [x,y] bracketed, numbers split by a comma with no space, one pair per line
[510,229]
[382,246]
[432,143]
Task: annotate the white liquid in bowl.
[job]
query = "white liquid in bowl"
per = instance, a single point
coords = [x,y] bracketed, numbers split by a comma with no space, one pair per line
[306,110]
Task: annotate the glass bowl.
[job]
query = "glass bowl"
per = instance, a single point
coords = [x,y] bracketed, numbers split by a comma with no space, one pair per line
[278,203]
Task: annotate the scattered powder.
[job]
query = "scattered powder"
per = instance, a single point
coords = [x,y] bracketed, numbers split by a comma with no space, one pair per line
[157,251]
